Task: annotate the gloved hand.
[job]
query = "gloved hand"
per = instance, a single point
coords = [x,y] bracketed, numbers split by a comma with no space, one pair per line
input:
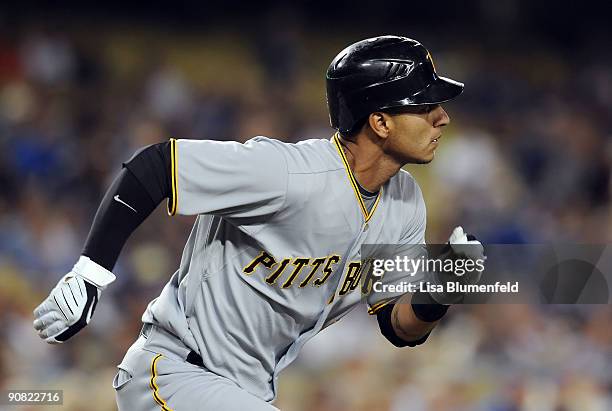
[465,245]
[460,246]
[70,305]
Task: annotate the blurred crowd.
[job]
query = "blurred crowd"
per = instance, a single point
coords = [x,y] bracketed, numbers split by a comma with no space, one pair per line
[527,159]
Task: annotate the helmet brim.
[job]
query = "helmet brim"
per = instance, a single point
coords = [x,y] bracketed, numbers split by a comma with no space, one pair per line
[441,90]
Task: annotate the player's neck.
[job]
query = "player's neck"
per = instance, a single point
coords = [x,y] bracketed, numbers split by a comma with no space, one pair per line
[370,166]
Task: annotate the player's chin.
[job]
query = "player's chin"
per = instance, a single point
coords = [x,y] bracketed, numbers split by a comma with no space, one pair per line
[420,160]
[423,156]
[426,158]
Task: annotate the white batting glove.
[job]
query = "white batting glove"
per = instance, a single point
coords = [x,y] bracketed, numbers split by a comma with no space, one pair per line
[464,245]
[70,305]
[460,246]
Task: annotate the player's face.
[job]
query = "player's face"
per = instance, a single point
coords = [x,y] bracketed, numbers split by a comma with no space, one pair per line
[415,133]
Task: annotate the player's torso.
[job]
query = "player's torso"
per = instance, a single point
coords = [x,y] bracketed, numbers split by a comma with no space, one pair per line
[253,291]
[307,255]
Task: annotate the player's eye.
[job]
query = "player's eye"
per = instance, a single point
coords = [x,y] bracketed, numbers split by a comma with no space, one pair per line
[416,109]
[427,108]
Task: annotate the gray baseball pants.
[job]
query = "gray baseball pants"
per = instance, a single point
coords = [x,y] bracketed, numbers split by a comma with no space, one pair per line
[154,375]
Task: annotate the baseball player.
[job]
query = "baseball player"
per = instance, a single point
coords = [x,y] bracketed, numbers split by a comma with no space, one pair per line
[274,254]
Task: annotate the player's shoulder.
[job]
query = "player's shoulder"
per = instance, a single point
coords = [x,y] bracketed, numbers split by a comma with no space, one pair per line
[405,186]
[307,156]
[408,205]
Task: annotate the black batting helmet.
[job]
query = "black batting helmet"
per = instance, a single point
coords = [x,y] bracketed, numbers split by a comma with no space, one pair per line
[381,73]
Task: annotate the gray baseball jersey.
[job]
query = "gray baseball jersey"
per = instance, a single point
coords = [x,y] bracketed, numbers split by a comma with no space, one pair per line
[274,255]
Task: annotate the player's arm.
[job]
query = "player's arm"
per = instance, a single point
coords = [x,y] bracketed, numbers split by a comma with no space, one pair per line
[409,321]
[143,183]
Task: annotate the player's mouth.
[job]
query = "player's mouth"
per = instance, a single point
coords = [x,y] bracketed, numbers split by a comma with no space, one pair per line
[437,139]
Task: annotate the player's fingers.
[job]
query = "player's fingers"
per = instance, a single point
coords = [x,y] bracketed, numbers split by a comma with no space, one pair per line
[43,308]
[46,319]
[55,328]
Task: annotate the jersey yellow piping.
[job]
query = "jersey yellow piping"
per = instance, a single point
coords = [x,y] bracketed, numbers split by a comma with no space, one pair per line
[366,215]
[173,202]
[158,399]
[376,307]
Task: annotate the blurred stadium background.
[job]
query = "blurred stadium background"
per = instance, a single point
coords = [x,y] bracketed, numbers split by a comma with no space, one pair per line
[527,158]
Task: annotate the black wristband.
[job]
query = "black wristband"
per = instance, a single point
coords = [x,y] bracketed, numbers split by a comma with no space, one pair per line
[426,308]
[386,328]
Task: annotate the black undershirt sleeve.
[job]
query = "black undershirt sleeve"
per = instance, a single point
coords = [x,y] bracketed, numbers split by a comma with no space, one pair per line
[138,189]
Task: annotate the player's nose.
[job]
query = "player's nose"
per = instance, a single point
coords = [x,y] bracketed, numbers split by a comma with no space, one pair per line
[441,117]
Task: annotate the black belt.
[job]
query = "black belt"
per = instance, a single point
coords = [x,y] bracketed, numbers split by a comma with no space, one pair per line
[195,359]
[192,358]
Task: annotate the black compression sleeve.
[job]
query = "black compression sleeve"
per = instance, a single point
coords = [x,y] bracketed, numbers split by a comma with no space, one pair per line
[125,206]
[386,328]
[151,166]
[135,193]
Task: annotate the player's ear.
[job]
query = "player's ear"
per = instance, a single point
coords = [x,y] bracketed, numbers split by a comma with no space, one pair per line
[379,123]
